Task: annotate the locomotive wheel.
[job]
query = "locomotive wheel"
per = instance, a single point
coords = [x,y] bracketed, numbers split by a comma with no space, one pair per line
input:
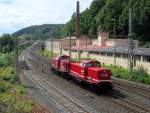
[106,87]
[91,87]
[52,69]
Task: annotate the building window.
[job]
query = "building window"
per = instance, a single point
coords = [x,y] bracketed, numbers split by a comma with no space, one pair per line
[146,58]
[96,53]
[81,51]
[118,55]
[110,54]
[65,49]
[125,56]
[92,52]
[73,50]
[138,57]
[103,54]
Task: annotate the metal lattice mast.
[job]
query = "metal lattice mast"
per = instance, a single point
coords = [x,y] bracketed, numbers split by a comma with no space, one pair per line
[130,42]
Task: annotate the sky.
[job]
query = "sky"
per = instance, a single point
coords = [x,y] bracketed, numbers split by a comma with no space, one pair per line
[17,14]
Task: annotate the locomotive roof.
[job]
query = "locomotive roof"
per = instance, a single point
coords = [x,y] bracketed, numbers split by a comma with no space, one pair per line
[62,56]
[87,61]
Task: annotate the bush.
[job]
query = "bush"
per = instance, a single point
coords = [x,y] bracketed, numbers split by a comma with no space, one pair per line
[140,75]
[13,79]
[12,96]
[14,104]
[4,86]
[20,90]
[47,53]
[6,59]
[11,93]
[137,75]
[6,73]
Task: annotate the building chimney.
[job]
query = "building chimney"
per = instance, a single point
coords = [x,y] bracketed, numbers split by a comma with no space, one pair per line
[78,20]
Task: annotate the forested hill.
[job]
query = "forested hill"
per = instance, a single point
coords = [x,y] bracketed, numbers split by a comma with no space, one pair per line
[40,31]
[101,12]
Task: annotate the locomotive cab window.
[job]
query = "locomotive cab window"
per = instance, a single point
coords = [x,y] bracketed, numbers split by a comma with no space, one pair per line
[90,64]
[97,64]
[82,64]
[64,58]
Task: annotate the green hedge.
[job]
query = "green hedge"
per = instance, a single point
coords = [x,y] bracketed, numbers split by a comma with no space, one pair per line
[137,75]
[11,96]
[14,104]
[47,53]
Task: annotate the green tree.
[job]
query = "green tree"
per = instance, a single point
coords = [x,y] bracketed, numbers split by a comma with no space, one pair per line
[100,13]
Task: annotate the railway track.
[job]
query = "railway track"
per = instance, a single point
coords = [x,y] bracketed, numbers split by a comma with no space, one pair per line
[72,106]
[129,104]
[40,109]
[37,107]
[142,91]
[68,103]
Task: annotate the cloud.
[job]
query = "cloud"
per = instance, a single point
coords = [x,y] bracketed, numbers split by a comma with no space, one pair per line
[6,2]
[22,13]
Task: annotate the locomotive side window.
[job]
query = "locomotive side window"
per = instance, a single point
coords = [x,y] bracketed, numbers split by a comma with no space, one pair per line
[97,64]
[64,58]
[90,64]
[82,64]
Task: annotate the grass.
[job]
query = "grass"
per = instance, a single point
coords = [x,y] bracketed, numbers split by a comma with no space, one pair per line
[11,92]
[6,59]
[6,71]
[13,103]
[47,53]
[137,75]
[12,97]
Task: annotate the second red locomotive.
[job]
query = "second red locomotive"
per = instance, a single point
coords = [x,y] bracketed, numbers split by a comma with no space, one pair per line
[89,71]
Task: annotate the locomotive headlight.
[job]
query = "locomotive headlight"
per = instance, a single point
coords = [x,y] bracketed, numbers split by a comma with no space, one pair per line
[82,71]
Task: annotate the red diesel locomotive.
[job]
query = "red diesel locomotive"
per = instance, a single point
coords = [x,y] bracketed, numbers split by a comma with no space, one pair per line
[89,71]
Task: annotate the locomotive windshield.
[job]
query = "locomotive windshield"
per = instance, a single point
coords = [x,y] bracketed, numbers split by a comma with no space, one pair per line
[90,64]
[63,57]
[82,64]
[97,64]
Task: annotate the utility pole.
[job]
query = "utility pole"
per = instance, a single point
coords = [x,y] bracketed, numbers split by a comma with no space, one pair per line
[16,58]
[114,21]
[86,43]
[70,46]
[130,41]
[78,20]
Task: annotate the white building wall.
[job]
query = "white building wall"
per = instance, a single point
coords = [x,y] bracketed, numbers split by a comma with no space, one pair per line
[109,60]
[121,43]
